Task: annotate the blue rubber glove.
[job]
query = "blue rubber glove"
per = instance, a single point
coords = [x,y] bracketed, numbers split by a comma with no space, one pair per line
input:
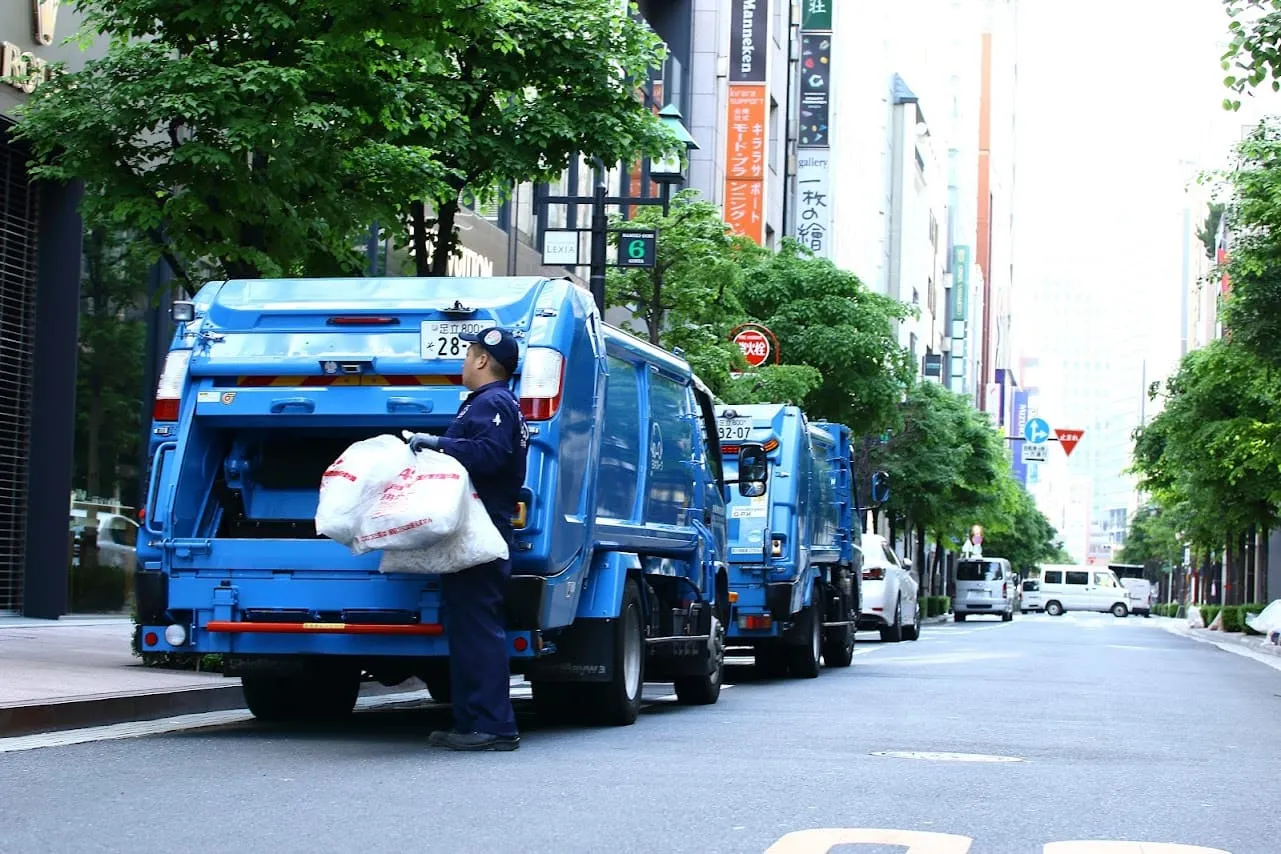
[418,441]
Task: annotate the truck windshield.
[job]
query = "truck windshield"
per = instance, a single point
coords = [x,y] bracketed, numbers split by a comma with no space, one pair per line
[976,570]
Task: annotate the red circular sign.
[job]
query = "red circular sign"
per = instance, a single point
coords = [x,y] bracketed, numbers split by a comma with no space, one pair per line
[755,346]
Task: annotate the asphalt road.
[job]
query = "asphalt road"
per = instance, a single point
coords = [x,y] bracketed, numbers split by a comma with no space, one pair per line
[1121,731]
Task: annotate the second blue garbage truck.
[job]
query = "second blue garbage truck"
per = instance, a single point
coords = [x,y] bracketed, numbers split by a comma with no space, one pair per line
[620,558]
[795,576]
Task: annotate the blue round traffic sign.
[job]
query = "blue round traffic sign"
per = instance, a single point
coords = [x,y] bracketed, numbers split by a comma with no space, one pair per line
[1037,431]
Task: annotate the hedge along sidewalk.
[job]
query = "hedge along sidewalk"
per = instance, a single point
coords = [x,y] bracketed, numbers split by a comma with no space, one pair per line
[62,674]
[1256,647]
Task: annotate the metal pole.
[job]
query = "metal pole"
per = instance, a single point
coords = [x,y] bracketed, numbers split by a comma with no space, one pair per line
[667,198]
[599,223]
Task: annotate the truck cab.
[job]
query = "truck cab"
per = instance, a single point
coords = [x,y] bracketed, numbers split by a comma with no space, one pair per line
[794,574]
[619,560]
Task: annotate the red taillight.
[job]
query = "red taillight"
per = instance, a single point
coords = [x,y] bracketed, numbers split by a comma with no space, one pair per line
[1005,590]
[541,383]
[876,573]
[169,388]
[151,639]
[520,644]
[364,320]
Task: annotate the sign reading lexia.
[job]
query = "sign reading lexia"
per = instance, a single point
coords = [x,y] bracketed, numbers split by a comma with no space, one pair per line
[20,68]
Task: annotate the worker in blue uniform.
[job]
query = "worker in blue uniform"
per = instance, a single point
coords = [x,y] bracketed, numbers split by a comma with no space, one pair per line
[489,437]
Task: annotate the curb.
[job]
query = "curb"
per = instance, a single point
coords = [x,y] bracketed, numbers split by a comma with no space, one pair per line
[106,709]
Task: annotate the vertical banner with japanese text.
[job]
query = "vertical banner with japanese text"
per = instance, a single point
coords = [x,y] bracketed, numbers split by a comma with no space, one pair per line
[813,222]
[747,116]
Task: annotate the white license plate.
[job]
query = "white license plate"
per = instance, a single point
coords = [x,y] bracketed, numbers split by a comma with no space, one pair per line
[440,337]
[734,429]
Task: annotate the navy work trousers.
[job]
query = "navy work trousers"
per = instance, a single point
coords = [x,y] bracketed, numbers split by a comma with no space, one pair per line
[479,673]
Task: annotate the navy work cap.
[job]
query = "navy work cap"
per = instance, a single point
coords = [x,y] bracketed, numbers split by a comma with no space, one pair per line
[498,343]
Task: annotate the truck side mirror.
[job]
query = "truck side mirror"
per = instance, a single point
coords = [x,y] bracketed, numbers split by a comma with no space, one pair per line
[753,469]
[880,487]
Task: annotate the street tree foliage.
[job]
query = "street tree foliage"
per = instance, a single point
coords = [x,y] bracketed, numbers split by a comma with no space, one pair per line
[263,138]
[689,299]
[246,135]
[1153,540]
[1254,259]
[828,320]
[527,86]
[1216,445]
[1253,57]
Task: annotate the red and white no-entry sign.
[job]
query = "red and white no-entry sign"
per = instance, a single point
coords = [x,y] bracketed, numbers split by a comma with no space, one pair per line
[1068,439]
[755,346]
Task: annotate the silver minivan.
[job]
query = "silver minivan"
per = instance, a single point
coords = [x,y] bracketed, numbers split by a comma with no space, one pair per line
[985,586]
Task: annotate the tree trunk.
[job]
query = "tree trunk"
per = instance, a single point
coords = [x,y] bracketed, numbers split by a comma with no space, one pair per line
[920,553]
[418,236]
[446,239]
[1261,591]
[938,565]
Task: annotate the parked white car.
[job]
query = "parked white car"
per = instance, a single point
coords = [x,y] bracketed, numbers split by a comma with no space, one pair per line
[890,591]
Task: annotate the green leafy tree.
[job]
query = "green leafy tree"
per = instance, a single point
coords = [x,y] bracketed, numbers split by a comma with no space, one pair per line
[826,319]
[245,134]
[1253,57]
[1153,541]
[1254,259]
[689,298]
[1020,533]
[528,86]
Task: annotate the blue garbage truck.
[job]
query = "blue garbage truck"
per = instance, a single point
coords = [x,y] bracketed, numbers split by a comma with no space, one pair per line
[619,562]
[795,569]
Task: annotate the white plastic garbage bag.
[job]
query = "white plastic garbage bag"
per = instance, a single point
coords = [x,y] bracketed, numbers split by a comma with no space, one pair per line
[477,541]
[421,506]
[1266,621]
[354,482]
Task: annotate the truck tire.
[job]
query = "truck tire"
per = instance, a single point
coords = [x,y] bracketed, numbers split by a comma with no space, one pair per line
[705,690]
[436,678]
[618,701]
[838,649]
[317,694]
[771,661]
[558,702]
[803,661]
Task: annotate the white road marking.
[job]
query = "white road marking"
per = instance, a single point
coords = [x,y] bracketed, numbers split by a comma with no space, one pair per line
[1108,847]
[934,756]
[822,840]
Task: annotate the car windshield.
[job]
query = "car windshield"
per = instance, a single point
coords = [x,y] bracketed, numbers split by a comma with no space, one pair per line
[976,570]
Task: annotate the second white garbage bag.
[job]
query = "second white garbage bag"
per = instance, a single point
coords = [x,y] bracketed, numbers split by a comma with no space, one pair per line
[421,506]
[477,541]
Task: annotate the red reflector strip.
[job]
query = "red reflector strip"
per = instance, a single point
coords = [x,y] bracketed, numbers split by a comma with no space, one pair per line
[347,380]
[771,445]
[233,627]
[364,320]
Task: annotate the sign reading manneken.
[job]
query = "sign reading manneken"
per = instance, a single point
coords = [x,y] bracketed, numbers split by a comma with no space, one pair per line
[1068,439]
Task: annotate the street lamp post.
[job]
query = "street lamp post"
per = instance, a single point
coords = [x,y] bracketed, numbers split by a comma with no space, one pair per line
[667,172]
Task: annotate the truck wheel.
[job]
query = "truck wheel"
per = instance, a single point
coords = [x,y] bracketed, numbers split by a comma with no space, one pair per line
[894,632]
[558,702]
[838,649]
[436,678]
[803,661]
[617,702]
[705,690]
[771,661]
[316,694]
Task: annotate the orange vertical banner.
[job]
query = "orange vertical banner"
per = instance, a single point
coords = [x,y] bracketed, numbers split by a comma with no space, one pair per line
[746,142]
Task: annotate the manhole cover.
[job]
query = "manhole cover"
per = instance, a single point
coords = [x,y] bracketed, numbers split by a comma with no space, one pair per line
[931,756]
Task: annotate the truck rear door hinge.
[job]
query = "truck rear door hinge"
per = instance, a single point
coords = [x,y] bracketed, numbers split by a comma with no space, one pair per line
[187,548]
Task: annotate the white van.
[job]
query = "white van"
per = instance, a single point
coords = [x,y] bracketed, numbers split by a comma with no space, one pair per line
[1070,587]
[1134,580]
[985,585]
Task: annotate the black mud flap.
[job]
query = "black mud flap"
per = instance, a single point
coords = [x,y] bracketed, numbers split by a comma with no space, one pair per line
[584,653]
[524,602]
[151,592]
[670,659]
[778,598]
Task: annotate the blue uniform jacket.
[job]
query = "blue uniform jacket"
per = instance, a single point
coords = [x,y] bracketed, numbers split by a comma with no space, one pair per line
[490,439]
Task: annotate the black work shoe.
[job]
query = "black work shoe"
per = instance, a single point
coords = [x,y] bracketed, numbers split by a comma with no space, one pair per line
[437,738]
[476,741]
